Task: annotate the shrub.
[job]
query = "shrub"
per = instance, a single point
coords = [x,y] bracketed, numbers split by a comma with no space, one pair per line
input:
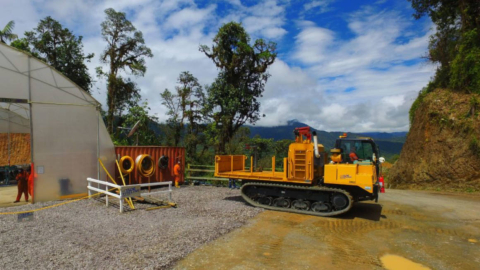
[465,67]
[475,146]
[416,104]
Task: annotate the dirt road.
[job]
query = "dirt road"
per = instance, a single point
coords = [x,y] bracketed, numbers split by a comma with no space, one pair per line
[8,194]
[437,231]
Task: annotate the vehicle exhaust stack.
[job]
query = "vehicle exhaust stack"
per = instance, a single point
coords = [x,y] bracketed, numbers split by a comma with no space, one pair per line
[315,144]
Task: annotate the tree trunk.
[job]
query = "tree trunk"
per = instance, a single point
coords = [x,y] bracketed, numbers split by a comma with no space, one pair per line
[111,104]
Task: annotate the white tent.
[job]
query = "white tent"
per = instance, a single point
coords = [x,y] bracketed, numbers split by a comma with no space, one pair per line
[66,129]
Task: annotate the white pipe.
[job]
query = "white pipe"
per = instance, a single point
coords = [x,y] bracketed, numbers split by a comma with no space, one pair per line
[154,184]
[315,144]
[103,183]
[104,192]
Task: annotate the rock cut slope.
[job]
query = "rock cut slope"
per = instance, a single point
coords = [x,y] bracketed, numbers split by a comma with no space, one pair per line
[442,150]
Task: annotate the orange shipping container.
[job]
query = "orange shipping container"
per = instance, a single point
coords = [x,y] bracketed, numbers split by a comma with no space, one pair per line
[161,175]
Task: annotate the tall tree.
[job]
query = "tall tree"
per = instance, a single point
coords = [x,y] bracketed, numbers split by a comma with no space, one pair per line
[125,51]
[238,144]
[7,32]
[61,49]
[233,98]
[456,44]
[185,107]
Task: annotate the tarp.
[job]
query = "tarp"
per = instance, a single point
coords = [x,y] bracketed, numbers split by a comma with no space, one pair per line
[67,131]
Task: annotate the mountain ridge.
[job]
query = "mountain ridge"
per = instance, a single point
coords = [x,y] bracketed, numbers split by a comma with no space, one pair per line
[390,144]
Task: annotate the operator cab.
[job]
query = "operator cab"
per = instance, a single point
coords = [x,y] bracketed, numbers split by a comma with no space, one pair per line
[361,151]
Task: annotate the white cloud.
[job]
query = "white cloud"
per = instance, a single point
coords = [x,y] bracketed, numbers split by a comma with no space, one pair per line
[319,6]
[265,19]
[188,17]
[332,81]
[363,83]
[312,44]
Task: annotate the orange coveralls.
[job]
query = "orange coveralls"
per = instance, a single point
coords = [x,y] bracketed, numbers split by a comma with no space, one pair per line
[177,172]
[30,185]
[22,186]
[353,156]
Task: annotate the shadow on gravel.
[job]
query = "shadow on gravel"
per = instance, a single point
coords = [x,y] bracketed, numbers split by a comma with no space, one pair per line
[367,211]
[237,199]
[113,203]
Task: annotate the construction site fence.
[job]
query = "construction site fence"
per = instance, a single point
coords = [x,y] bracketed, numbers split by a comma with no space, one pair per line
[121,196]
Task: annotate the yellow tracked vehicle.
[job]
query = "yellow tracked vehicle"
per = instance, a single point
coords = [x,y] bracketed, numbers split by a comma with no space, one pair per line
[310,183]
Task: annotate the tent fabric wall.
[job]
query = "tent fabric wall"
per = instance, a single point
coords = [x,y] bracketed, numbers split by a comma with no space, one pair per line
[67,130]
[11,122]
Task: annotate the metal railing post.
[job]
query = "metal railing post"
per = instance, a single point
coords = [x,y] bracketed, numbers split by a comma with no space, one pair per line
[170,191]
[106,196]
[189,173]
[121,201]
[89,191]
[273,165]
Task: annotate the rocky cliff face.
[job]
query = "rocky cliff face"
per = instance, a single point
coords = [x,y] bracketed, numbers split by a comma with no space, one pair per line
[442,150]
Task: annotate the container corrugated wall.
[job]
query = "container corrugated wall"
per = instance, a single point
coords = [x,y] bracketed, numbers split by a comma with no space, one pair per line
[155,152]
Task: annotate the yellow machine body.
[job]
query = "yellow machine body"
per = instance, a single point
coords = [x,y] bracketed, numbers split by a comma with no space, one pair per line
[301,167]
[362,176]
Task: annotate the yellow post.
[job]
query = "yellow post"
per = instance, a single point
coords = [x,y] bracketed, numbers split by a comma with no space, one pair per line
[189,174]
[129,200]
[251,164]
[111,178]
[273,165]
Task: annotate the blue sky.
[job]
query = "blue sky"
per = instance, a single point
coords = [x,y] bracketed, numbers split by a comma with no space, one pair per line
[342,65]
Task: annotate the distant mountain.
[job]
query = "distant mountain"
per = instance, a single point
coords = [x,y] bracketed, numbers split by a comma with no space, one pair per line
[389,143]
[384,135]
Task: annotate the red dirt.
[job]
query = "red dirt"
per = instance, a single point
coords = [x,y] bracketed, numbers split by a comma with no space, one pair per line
[437,153]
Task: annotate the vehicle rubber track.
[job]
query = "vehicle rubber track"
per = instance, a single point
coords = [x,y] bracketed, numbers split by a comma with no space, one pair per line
[254,199]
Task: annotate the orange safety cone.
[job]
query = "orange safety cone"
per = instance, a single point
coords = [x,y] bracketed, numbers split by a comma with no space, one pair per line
[382,184]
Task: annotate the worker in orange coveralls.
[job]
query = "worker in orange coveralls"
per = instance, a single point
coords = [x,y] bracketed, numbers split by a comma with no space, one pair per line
[30,181]
[22,177]
[177,172]
[353,156]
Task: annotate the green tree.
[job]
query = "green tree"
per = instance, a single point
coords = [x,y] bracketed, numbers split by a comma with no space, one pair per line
[281,151]
[146,135]
[125,51]
[128,94]
[394,158]
[23,45]
[185,108]
[232,100]
[7,32]
[237,145]
[61,49]
[456,43]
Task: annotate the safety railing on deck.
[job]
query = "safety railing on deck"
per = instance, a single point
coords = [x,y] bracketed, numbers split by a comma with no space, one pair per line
[210,170]
[126,191]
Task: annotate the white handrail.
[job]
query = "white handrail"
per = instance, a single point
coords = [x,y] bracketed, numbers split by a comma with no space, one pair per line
[104,192]
[122,196]
[103,183]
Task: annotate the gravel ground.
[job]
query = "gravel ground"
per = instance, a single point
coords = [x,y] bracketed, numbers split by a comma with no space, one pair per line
[87,235]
